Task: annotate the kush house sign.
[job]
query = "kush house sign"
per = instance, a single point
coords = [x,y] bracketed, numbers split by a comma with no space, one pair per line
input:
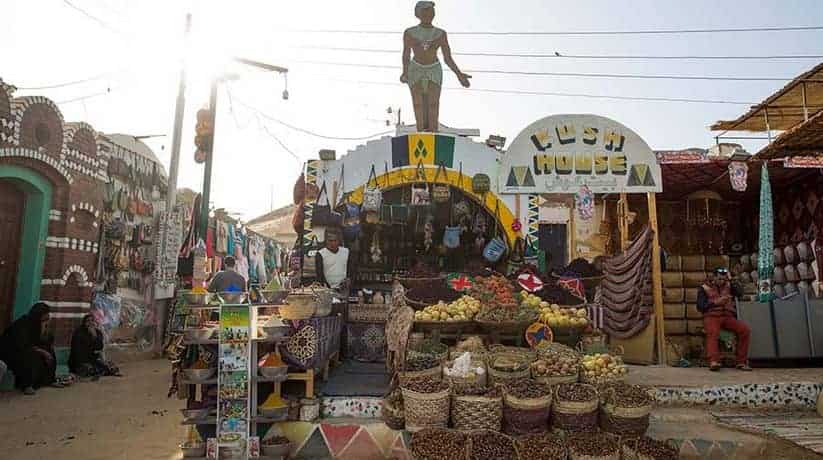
[562,153]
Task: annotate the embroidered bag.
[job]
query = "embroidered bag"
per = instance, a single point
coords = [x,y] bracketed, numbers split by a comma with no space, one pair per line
[372,196]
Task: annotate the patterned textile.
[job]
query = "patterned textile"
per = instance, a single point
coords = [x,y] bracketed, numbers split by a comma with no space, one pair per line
[738,175]
[765,256]
[367,341]
[584,202]
[311,341]
[574,286]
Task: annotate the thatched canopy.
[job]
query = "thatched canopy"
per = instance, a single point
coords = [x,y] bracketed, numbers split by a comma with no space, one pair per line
[784,108]
[805,139]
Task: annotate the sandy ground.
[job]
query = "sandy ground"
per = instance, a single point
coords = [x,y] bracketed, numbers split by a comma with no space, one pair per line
[701,376]
[126,418]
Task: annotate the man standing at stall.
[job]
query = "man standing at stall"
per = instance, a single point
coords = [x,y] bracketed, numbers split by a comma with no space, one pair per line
[332,262]
[228,279]
[716,300]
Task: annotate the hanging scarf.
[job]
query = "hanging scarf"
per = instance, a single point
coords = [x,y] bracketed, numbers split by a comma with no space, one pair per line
[738,174]
[765,255]
[584,202]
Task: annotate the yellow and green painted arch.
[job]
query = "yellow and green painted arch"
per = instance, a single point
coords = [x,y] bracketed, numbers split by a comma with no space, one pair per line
[406,176]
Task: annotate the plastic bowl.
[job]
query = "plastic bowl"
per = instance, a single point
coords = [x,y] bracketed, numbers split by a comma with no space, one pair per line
[192,298]
[199,334]
[273,372]
[197,450]
[198,375]
[233,298]
[277,450]
[276,413]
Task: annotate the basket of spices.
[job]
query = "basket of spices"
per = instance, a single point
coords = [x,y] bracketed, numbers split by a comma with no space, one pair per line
[505,366]
[625,409]
[438,444]
[526,407]
[556,364]
[422,366]
[541,446]
[425,403]
[491,445]
[647,449]
[575,408]
[476,408]
[591,446]
[392,411]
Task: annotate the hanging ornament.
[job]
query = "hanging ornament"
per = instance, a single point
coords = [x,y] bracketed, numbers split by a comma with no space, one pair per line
[584,202]
[459,282]
[738,175]
[516,225]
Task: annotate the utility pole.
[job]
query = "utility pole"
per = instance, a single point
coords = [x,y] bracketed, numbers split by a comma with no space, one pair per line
[204,210]
[179,111]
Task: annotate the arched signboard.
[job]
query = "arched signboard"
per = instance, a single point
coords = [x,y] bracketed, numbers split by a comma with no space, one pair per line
[561,153]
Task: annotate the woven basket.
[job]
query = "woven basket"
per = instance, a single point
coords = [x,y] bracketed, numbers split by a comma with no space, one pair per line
[393,418]
[575,456]
[410,283]
[477,413]
[601,380]
[556,379]
[501,377]
[415,304]
[627,412]
[477,379]
[525,421]
[369,312]
[575,407]
[296,312]
[426,410]
[624,426]
[527,353]
[435,373]
[527,403]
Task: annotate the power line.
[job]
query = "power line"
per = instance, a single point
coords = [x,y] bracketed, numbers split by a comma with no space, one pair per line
[579,32]
[99,21]
[67,83]
[558,55]
[83,98]
[567,74]
[306,131]
[277,139]
[559,94]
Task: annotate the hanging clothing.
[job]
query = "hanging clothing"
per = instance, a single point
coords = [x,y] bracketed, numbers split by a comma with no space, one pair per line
[242,265]
[230,239]
[272,257]
[222,238]
[210,242]
[257,262]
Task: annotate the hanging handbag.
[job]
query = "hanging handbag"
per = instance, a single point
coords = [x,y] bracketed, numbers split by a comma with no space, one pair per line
[441,192]
[495,248]
[372,195]
[323,215]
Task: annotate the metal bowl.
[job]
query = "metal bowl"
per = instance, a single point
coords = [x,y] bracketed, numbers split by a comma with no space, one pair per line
[195,414]
[276,413]
[233,298]
[275,296]
[192,298]
[277,450]
[273,372]
[198,375]
[199,334]
[275,332]
[197,450]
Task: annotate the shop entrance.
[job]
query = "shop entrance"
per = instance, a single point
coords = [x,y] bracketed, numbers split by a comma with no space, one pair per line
[12,203]
[554,240]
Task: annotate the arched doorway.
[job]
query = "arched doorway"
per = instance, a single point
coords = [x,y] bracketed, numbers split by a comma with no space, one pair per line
[25,200]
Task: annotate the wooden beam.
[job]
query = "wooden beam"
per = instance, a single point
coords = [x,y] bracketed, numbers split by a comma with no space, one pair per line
[623,221]
[657,281]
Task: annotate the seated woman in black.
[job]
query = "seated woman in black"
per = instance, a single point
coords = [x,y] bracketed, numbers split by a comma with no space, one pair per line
[86,359]
[27,346]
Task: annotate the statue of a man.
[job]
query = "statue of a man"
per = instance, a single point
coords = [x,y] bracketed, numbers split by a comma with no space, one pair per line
[423,72]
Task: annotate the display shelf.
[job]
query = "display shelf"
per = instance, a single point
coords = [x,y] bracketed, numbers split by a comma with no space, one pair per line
[200,421]
[211,381]
[263,379]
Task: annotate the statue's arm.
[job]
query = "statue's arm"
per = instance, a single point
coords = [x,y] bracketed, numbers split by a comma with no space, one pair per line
[406,56]
[447,56]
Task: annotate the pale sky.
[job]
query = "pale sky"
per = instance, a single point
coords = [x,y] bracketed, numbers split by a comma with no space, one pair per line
[135,54]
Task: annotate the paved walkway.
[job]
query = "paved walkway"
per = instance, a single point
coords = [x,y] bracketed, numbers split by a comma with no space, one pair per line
[702,376]
[126,418]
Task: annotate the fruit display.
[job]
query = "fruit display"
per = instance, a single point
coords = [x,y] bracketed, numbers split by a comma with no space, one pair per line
[462,309]
[532,301]
[556,363]
[494,290]
[603,367]
[559,317]
[499,313]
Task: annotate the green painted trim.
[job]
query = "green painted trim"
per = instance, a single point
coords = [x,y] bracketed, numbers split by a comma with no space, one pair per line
[35,229]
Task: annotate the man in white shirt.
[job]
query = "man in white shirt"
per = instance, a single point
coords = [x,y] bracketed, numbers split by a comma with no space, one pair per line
[332,262]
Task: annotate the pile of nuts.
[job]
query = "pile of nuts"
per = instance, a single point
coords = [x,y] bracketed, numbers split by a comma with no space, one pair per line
[426,385]
[624,395]
[594,445]
[527,389]
[475,390]
[438,444]
[421,362]
[577,392]
[542,446]
[489,445]
[555,365]
[652,448]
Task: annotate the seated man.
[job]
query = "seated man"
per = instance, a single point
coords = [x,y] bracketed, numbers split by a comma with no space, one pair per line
[715,299]
[86,357]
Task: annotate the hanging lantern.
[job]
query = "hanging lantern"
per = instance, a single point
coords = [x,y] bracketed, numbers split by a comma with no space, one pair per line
[738,175]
